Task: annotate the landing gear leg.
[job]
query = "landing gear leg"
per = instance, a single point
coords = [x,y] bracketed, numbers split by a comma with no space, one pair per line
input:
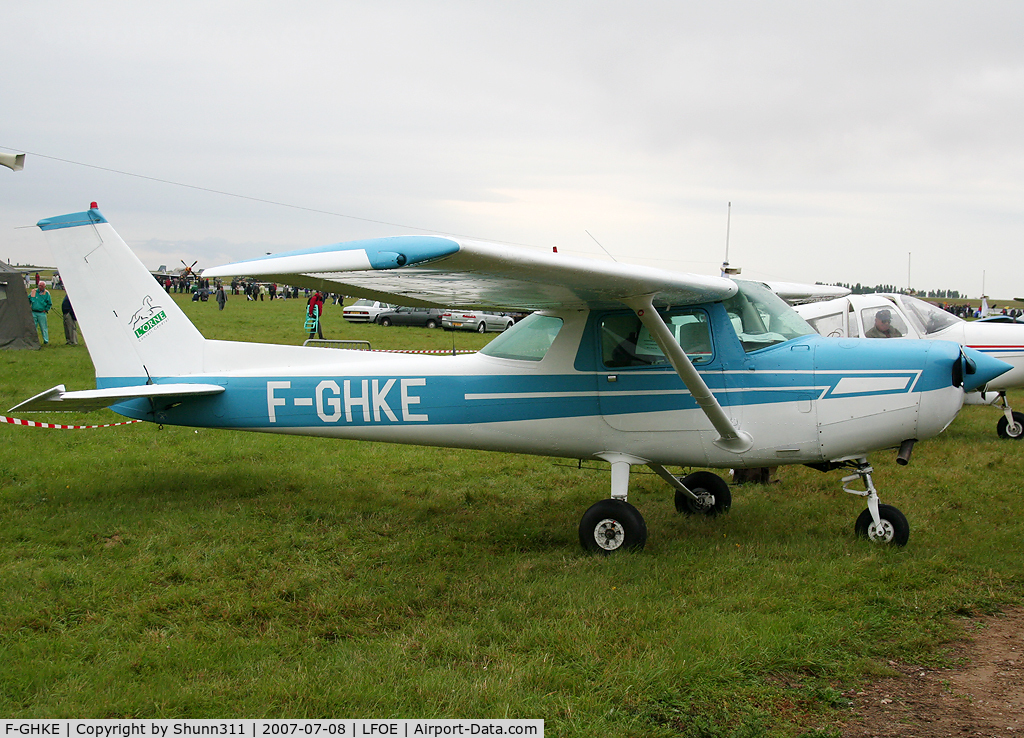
[614,524]
[879,523]
[1011,425]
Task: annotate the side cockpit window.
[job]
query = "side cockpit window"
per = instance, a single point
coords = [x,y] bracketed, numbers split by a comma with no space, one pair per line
[626,342]
[882,323]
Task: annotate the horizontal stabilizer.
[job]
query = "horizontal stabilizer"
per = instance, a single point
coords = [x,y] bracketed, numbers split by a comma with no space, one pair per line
[60,400]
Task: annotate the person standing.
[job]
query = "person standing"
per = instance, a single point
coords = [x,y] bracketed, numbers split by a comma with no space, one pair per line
[70,329]
[314,311]
[41,303]
[222,297]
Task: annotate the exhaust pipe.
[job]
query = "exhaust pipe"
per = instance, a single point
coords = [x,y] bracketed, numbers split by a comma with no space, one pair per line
[903,457]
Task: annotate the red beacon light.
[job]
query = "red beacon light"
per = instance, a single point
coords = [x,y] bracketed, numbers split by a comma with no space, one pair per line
[94,206]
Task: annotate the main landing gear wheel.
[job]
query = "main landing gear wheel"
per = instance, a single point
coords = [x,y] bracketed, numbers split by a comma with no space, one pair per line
[1015,431]
[713,491]
[612,525]
[894,528]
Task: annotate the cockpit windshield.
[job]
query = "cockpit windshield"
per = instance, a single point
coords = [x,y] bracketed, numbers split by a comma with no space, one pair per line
[762,318]
[928,318]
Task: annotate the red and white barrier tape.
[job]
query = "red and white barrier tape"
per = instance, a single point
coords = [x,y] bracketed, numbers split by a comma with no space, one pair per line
[424,351]
[33,424]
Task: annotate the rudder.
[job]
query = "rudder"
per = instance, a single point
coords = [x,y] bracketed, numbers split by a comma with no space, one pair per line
[133,329]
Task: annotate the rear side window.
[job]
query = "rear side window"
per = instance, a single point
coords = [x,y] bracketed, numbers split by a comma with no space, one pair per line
[626,342]
[830,325]
[527,340]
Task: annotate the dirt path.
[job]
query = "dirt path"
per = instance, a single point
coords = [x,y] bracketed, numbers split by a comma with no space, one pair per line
[984,697]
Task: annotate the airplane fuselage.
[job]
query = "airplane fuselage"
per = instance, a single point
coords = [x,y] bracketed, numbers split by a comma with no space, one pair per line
[805,400]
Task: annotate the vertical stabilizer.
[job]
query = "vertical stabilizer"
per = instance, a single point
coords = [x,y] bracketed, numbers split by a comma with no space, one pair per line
[133,329]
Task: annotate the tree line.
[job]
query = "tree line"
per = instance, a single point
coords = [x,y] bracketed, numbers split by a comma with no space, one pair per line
[863,289]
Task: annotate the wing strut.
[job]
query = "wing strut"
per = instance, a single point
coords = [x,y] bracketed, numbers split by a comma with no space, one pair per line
[730,438]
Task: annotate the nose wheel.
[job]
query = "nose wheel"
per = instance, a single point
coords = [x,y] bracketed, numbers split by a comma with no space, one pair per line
[1011,425]
[892,526]
[882,524]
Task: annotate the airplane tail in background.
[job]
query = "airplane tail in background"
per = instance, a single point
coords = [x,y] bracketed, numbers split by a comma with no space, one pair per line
[133,329]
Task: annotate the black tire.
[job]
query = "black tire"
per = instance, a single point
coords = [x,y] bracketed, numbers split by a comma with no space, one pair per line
[714,491]
[431,324]
[508,325]
[1005,431]
[481,327]
[895,529]
[612,525]
[385,322]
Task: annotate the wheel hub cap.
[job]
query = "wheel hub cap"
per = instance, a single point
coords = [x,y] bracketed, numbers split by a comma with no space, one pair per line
[609,534]
[882,532]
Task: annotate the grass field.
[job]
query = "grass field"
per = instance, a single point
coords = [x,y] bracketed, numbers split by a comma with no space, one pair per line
[170,572]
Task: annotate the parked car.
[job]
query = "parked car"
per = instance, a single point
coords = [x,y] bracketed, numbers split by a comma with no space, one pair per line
[475,320]
[422,317]
[365,311]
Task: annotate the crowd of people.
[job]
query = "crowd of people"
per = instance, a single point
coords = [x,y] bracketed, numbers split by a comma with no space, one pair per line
[253,291]
[41,303]
[969,311]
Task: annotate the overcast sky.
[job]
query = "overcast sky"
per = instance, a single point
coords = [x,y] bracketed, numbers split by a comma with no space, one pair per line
[857,141]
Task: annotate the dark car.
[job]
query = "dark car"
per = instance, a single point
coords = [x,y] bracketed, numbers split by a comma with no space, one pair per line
[422,317]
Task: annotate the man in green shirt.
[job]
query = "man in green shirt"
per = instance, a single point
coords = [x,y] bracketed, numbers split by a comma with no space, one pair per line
[41,303]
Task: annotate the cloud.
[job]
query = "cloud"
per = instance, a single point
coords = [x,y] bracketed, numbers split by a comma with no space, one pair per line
[864,131]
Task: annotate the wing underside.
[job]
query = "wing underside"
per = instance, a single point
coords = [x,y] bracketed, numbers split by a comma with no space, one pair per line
[445,272]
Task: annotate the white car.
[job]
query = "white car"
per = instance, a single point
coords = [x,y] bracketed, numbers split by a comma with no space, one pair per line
[365,311]
[475,320]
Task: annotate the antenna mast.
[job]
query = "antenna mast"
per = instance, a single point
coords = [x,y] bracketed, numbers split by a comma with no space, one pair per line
[728,271]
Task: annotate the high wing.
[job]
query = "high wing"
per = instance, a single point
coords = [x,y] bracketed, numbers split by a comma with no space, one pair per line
[436,271]
[800,294]
[445,272]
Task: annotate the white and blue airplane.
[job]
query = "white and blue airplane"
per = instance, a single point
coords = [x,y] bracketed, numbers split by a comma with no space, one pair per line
[627,364]
[910,317]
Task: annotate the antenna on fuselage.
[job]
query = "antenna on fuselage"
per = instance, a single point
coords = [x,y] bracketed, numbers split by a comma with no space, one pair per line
[602,247]
[728,271]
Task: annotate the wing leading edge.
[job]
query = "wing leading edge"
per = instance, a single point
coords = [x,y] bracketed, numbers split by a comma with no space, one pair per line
[447,272]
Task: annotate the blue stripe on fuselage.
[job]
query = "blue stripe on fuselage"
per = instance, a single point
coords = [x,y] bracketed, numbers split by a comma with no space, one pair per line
[283,402]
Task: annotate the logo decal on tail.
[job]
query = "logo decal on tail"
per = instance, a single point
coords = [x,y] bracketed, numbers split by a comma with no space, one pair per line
[146,318]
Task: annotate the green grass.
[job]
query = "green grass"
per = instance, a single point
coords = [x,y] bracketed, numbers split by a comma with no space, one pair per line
[183,573]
